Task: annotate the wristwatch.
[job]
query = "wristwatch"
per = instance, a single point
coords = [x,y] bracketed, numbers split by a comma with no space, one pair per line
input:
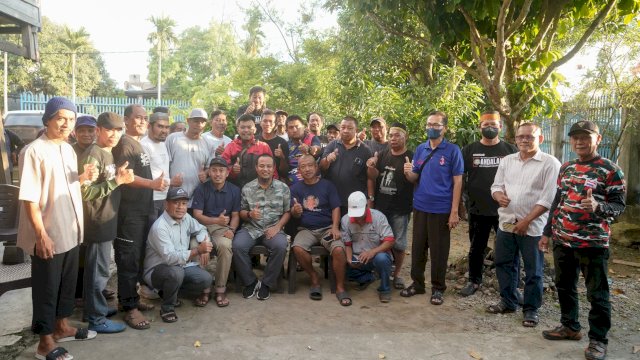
[372,198]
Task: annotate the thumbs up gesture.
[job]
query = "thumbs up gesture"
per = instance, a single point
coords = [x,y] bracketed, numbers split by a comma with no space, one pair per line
[202,175]
[220,149]
[176,180]
[296,209]
[159,183]
[408,165]
[89,175]
[372,162]
[236,167]
[256,213]
[362,135]
[278,152]
[124,175]
[304,148]
[223,218]
[332,156]
[589,203]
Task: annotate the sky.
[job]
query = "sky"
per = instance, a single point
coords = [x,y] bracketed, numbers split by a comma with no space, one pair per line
[119,28]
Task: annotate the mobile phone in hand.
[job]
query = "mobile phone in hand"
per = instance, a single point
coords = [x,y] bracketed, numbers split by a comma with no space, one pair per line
[328,238]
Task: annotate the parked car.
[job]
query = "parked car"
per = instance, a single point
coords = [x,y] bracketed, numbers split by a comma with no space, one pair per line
[25,123]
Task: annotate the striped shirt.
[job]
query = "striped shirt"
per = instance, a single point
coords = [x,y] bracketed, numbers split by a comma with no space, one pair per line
[527,183]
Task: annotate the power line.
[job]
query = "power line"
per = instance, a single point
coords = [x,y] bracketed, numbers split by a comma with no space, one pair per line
[103,52]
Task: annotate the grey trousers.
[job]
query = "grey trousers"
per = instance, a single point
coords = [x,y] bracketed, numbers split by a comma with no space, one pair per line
[96,275]
[277,246]
[170,279]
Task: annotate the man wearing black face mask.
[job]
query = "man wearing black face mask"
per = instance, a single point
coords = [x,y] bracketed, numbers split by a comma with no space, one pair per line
[481,160]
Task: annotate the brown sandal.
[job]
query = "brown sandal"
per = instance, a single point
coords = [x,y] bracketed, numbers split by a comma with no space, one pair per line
[202,300]
[221,300]
[136,320]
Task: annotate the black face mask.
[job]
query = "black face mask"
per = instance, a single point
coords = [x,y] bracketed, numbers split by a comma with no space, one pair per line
[490,132]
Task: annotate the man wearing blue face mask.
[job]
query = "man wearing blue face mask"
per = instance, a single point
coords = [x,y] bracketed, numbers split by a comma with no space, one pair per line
[437,170]
[481,160]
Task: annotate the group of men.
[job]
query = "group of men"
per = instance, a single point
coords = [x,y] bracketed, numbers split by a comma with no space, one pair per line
[168,202]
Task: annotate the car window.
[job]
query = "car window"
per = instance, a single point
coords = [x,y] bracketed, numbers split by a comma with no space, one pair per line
[23,120]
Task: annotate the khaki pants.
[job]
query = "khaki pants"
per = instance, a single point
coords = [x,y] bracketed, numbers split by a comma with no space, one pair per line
[222,247]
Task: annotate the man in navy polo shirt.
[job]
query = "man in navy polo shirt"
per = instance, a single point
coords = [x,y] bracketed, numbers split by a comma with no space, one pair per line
[216,205]
[437,169]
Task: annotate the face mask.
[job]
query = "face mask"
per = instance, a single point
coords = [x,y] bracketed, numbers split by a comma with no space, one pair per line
[490,132]
[433,133]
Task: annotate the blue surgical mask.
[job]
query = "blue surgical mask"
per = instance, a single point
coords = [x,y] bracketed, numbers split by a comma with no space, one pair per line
[433,133]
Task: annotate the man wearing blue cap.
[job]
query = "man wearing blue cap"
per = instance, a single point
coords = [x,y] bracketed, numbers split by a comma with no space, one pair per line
[85,133]
[51,228]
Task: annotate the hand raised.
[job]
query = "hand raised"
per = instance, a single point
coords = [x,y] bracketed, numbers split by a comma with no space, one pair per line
[124,175]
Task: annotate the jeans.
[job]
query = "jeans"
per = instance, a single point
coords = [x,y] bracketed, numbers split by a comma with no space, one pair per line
[592,262]
[507,247]
[242,244]
[96,276]
[480,227]
[381,264]
[170,279]
[129,249]
[399,224]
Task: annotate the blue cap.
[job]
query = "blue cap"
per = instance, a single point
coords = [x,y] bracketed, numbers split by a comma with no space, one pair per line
[56,104]
[86,120]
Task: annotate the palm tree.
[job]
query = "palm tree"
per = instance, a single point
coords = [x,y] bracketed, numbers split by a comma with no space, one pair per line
[74,42]
[163,37]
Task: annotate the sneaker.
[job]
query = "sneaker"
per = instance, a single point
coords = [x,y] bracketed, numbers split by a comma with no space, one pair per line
[597,350]
[561,333]
[249,291]
[384,297]
[263,293]
[147,292]
[108,327]
[469,290]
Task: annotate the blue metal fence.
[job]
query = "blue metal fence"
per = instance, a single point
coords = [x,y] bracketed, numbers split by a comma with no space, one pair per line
[95,105]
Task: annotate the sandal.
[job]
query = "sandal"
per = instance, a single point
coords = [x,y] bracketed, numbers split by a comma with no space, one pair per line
[499,308]
[411,291]
[221,300]
[343,298]
[530,318]
[398,283]
[54,354]
[168,316]
[597,350]
[202,300]
[437,298]
[136,320]
[315,293]
[141,307]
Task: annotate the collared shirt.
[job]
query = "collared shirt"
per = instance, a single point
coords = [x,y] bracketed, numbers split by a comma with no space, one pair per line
[272,202]
[434,192]
[349,172]
[213,201]
[168,242]
[49,178]
[527,183]
[369,235]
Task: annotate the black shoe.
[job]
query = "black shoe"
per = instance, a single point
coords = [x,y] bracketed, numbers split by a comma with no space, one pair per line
[249,291]
[263,292]
[469,290]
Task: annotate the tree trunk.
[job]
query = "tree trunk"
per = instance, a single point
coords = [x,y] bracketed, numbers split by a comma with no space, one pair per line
[159,71]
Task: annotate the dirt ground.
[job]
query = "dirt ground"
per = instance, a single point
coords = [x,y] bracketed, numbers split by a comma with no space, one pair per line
[294,327]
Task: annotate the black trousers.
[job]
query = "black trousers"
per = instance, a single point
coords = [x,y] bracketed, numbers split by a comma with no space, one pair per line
[430,232]
[80,284]
[129,247]
[592,262]
[53,285]
[480,227]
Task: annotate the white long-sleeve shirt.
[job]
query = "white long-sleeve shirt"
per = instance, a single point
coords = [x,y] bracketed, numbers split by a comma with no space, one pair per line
[527,183]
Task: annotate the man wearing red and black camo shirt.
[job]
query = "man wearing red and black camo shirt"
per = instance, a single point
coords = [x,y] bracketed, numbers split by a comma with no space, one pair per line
[591,192]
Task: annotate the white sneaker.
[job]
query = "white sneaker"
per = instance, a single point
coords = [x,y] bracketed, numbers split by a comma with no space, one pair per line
[147,292]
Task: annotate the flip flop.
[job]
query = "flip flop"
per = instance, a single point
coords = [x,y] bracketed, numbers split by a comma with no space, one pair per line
[221,300]
[343,298]
[202,300]
[81,334]
[530,318]
[168,316]
[315,293]
[55,354]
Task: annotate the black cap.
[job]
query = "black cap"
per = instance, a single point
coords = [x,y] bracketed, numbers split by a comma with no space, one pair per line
[218,161]
[177,193]
[584,126]
[110,120]
[332,126]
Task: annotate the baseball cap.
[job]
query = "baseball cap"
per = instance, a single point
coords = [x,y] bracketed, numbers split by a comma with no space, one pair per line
[584,126]
[357,203]
[157,116]
[332,126]
[198,113]
[378,120]
[218,161]
[282,112]
[85,120]
[110,120]
[177,193]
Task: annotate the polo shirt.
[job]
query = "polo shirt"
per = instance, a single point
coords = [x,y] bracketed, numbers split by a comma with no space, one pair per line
[349,172]
[434,192]
[213,201]
[368,236]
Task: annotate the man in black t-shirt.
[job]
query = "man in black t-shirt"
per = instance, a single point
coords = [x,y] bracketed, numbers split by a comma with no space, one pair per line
[136,205]
[393,192]
[481,160]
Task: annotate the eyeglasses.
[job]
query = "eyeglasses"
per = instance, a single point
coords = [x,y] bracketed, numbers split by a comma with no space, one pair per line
[525,137]
[435,126]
